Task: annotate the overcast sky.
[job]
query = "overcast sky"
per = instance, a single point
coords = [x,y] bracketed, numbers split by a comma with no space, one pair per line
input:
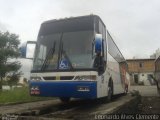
[133,24]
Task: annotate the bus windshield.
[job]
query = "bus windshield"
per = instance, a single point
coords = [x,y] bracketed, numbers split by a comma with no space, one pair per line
[64,51]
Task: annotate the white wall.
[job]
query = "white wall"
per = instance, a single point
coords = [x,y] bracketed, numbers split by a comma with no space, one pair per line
[26,67]
[143,77]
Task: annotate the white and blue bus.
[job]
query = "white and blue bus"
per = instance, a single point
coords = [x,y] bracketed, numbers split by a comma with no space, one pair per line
[77,58]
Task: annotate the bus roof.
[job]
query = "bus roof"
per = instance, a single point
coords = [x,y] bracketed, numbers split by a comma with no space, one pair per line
[72,24]
[72,18]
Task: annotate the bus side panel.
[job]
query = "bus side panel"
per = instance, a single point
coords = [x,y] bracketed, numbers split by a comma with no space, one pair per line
[102,84]
[114,70]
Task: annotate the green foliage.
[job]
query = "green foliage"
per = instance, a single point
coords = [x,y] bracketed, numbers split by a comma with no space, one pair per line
[13,78]
[25,81]
[18,95]
[8,50]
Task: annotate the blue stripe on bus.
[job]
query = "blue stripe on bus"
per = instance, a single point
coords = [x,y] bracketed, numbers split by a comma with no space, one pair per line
[66,88]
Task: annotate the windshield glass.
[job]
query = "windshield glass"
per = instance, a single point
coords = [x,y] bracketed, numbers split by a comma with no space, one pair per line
[43,51]
[64,51]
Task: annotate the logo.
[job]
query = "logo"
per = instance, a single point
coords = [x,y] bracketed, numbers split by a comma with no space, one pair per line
[63,64]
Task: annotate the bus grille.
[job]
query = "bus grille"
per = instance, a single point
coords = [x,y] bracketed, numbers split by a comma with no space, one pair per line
[61,78]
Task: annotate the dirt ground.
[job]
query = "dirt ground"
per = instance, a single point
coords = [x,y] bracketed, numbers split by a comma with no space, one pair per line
[150,100]
[150,105]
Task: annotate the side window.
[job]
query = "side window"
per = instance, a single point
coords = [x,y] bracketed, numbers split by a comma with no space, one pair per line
[100,27]
[105,44]
[113,49]
[140,64]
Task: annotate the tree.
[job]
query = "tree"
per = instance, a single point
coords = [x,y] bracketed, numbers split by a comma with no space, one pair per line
[8,50]
[13,78]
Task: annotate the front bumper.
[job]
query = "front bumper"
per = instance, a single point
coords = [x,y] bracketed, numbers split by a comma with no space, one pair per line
[64,89]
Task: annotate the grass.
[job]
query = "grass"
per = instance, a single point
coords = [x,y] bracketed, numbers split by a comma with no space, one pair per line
[18,95]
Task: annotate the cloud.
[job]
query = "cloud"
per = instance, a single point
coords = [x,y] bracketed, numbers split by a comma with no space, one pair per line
[134,24]
[3,27]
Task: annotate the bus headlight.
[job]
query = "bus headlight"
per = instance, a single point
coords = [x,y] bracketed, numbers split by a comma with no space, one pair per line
[88,77]
[36,79]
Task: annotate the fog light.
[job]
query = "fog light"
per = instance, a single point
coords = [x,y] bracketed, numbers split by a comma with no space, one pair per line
[83,88]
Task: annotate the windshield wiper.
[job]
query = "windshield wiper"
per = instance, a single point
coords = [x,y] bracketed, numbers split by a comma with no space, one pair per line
[50,53]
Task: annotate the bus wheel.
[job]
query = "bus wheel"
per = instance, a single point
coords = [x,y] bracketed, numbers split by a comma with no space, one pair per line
[65,99]
[110,92]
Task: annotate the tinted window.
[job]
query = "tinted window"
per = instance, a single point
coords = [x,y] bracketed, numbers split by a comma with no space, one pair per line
[47,46]
[78,47]
[113,49]
[67,25]
[73,47]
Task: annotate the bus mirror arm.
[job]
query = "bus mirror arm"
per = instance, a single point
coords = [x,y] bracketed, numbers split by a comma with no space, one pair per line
[101,67]
[99,64]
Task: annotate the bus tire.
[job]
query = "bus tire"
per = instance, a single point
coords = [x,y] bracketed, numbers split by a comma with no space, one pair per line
[110,91]
[65,99]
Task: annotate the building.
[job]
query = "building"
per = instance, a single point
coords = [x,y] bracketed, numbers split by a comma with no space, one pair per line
[141,70]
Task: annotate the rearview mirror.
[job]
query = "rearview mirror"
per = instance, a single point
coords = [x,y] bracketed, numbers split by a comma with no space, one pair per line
[27,49]
[98,43]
